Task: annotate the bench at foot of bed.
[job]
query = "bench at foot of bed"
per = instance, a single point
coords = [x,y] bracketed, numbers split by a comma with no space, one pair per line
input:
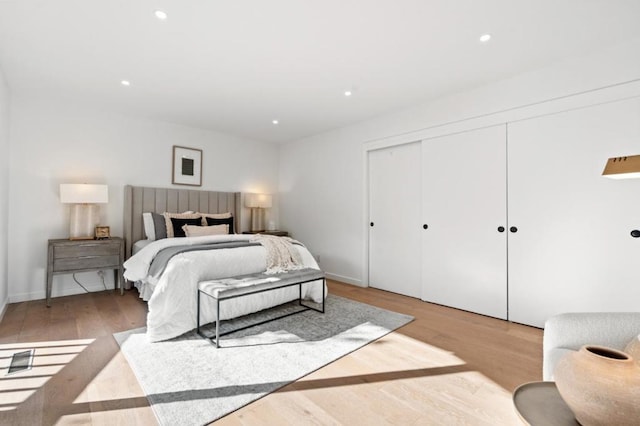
[244,285]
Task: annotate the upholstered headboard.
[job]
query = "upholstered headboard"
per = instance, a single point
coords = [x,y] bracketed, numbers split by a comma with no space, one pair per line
[138,199]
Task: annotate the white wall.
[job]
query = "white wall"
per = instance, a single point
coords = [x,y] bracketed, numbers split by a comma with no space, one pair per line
[322,178]
[4,191]
[321,200]
[55,142]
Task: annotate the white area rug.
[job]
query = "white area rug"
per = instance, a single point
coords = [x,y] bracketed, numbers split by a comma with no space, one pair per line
[189,382]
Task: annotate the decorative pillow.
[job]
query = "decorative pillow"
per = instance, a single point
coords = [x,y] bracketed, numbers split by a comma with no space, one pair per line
[214,216]
[185,215]
[177,223]
[149,229]
[228,221]
[160,226]
[199,231]
[155,226]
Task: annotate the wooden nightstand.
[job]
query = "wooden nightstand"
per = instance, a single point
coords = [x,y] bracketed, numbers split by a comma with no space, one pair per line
[71,256]
[276,233]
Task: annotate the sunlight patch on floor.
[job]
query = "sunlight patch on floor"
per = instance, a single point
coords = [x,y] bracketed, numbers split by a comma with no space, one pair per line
[391,350]
[48,359]
[434,385]
[108,387]
[455,398]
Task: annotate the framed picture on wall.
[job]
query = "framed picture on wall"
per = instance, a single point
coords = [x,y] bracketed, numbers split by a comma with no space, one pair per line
[187,166]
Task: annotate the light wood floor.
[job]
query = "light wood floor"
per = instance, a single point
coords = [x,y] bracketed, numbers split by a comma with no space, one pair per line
[446,367]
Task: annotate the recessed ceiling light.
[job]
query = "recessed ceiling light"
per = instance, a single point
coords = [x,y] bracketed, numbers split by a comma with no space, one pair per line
[125,83]
[161,15]
[275,122]
[485,38]
[347,93]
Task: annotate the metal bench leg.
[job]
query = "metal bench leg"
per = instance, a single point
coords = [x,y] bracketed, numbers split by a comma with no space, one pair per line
[300,294]
[321,310]
[324,285]
[217,323]
[198,315]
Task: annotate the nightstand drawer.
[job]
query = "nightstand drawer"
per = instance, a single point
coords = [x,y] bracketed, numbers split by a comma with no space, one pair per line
[86,262]
[86,249]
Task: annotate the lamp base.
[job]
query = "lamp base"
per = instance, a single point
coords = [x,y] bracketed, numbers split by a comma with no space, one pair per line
[83,221]
[257,219]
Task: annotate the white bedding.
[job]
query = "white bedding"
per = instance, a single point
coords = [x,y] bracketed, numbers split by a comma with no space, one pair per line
[139,245]
[172,299]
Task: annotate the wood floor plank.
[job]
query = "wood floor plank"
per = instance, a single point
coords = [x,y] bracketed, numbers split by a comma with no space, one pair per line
[445,367]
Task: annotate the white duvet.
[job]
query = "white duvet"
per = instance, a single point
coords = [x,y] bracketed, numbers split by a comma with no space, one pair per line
[172,298]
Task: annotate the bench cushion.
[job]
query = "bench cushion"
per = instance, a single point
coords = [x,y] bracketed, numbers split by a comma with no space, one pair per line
[252,283]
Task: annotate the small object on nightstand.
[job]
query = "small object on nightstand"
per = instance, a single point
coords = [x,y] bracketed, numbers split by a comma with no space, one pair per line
[275,233]
[102,233]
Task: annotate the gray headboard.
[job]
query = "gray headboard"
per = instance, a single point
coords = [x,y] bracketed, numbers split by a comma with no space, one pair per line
[138,199]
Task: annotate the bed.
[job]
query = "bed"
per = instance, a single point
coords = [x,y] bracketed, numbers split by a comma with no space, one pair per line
[171,292]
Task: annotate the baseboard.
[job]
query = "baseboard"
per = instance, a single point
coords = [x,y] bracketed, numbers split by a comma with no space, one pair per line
[58,292]
[343,279]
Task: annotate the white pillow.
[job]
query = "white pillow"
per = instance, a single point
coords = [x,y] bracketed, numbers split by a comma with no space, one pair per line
[199,231]
[214,216]
[149,228]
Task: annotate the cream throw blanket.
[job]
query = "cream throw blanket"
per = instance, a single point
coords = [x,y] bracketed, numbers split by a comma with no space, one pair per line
[282,256]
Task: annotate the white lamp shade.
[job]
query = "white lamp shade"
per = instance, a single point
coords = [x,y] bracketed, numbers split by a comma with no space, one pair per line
[263,201]
[82,193]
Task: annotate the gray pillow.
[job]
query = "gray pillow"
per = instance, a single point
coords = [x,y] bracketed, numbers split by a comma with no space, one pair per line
[160,226]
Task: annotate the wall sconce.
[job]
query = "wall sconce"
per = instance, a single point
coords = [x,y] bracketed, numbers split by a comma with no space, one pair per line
[622,167]
[257,203]
[85,214]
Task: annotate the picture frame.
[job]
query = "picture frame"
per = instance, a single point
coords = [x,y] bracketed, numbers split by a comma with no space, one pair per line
[187,166]
[102,233]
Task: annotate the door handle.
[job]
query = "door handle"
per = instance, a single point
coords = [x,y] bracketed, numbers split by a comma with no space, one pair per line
[425,226]
[500,228]
[635,233]
[513,229]
[371,224]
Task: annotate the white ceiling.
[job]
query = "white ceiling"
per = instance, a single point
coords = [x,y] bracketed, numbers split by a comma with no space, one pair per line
[234,66]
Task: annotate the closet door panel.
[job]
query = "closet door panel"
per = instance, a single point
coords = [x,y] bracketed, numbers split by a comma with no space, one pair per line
[464,202]
[394,211]
[573,250]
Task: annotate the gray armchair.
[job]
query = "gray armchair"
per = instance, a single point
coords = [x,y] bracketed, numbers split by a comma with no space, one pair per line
[564,333]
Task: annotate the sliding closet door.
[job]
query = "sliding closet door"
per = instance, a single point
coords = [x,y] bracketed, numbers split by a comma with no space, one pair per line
[573,250]
[464,205]
[394,219]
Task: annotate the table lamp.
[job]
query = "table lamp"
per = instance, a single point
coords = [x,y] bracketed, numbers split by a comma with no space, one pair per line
[85,214]
[257,203]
